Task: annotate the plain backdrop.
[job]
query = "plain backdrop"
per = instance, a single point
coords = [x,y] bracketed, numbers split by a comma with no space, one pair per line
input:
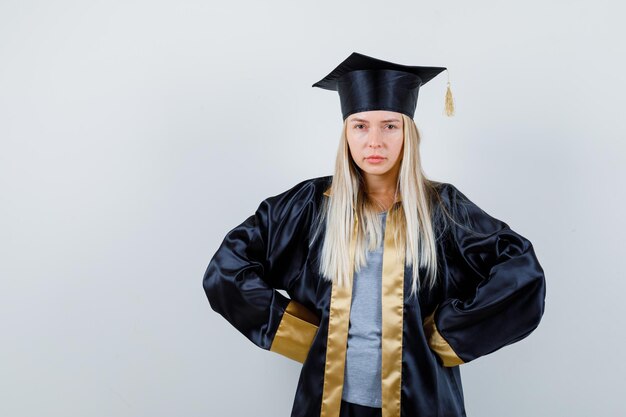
[135,134]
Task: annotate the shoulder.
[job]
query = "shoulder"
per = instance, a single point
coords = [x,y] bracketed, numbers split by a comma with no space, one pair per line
[447,192]
[451,196]
[305,189]
[465,213]
[303,194]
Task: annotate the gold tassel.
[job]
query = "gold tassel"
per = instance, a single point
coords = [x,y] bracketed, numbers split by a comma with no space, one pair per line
[449,107]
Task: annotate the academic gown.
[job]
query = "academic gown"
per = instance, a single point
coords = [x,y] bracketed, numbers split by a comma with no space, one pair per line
[490,293]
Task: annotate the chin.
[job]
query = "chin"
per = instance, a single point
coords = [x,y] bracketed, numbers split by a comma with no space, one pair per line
[377,170]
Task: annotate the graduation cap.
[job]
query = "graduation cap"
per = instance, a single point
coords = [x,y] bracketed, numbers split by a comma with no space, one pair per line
[365,83]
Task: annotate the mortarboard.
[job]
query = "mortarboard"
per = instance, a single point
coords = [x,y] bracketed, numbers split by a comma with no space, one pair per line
[365,83]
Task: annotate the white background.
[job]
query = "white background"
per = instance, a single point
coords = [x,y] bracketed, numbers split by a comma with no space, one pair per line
[135,134]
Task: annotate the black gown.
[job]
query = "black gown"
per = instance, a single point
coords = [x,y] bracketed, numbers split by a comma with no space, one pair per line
[490,293]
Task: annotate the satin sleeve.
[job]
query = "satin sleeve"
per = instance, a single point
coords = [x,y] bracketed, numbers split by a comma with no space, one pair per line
[498,282]
[242,278]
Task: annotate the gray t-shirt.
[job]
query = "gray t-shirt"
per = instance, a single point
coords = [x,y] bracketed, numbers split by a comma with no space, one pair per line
[362,378]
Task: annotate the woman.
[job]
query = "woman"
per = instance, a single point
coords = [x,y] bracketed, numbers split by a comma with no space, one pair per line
[394,280]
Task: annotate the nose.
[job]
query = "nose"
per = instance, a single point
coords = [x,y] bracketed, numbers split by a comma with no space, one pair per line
[374,138]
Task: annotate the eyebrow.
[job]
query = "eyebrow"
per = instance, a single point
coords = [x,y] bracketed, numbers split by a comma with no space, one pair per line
[383,121]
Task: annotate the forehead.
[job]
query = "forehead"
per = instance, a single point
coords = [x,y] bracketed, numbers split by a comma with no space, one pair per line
[375,116]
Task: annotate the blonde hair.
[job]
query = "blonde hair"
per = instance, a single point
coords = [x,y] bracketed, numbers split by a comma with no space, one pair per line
[411,217]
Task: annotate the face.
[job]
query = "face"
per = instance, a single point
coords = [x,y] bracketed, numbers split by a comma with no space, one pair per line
[375,139]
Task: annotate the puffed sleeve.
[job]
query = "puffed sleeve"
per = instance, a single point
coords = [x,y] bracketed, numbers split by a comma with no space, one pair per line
[498,285]
[243,276]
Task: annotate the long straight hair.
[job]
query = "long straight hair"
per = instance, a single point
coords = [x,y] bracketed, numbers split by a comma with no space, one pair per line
[411,217]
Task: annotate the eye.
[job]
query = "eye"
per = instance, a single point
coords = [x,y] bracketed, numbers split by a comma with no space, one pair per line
[357,126]
[393,126]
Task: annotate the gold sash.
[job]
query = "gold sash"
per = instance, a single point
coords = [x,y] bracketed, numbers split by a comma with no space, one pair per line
[392,325]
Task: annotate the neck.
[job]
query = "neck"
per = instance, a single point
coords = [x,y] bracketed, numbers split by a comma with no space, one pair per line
[381,190]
